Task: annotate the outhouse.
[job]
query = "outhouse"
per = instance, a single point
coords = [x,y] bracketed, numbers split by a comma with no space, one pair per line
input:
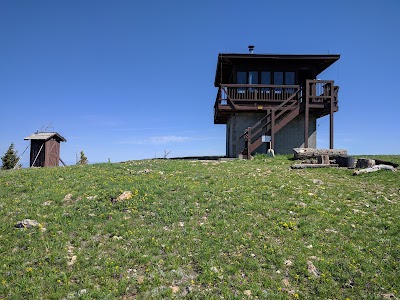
[45,149]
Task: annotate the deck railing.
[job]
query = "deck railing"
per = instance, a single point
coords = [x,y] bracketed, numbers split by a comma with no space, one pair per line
[321,91]
[243,93]
[317,92]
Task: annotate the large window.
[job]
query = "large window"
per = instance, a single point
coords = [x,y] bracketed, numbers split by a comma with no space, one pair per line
[264,77]
[278,78]
[241,77]
[290,78]
[253,77]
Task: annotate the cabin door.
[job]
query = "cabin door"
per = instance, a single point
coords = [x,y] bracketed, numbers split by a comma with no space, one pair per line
[52,153]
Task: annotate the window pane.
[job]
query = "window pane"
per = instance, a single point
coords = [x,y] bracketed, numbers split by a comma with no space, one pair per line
[289,78]
[278,78]
[241,77]
[253,77]
[265,77]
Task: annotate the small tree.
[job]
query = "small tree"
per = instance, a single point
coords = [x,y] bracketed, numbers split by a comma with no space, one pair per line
[10,158]
[83,160]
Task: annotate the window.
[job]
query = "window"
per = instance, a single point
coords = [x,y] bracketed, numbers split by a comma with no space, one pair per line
[278,78]
[253,77]
[241,77]
[265,77]
[290,78]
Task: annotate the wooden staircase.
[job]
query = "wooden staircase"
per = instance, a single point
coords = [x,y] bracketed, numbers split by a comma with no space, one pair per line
[269,125]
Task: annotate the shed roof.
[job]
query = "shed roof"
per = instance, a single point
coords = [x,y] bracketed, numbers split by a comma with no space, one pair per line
[45,136]
[225,61]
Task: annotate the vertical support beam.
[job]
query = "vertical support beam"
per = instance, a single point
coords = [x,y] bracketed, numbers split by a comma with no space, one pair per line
[331,116]
[272,129]
[306,113]
[249,150]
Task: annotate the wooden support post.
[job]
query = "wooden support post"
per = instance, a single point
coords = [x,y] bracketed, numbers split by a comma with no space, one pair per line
[331,117]
[306,114]
[248,142]
[272,129]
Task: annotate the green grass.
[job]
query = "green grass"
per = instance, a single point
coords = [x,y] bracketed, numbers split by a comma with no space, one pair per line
[200,230]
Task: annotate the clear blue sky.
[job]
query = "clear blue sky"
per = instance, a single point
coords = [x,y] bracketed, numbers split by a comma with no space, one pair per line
[127,79]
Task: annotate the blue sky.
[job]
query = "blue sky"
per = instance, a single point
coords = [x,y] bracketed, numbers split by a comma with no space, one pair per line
[129,79]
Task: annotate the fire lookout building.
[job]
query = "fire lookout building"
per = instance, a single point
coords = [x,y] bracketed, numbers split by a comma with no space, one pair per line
[273,101]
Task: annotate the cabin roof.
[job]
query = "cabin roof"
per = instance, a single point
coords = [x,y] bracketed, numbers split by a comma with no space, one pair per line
[45,136]
[226,60]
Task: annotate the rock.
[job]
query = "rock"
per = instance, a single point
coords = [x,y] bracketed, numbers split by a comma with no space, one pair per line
[247,292]
[317,181]
[82,292]
[140,279]
[125,196]
[288,262]
[174,289]
[27,223]
[72,260]
[286,281]
[214,269]
[312,269]
[68,197]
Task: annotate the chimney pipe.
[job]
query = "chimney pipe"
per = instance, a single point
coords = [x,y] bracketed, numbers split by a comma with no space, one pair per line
[251,49]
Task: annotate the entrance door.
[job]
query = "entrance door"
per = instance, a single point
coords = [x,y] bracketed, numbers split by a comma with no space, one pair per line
[52,153]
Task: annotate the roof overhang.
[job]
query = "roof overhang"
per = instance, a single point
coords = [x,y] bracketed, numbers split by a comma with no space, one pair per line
[45,136]
[319,62]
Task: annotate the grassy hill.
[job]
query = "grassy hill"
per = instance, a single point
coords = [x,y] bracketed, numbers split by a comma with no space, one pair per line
[200,230]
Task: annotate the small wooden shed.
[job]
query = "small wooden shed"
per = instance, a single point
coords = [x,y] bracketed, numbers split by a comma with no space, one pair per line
[45,149]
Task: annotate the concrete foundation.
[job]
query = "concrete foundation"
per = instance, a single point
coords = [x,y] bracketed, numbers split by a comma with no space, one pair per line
[289,137]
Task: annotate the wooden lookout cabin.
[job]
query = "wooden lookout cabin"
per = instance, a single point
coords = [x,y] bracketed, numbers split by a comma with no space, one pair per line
[45,149]
[273,100]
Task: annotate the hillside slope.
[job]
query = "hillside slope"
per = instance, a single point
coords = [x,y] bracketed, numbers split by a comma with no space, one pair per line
[199,229]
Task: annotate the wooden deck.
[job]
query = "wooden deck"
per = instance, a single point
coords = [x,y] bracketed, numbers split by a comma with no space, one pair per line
[317,95]
[281,104]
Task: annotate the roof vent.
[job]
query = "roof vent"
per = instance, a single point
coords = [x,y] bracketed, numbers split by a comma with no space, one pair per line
[251,49]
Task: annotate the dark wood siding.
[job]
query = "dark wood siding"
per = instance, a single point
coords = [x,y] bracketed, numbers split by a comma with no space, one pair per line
[36,147]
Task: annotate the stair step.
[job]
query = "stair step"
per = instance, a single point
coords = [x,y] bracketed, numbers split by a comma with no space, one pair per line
[285,116]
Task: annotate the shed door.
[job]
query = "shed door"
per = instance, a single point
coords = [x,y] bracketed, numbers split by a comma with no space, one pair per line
[52,153]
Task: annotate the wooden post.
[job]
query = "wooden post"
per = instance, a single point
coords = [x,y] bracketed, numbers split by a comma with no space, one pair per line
[306,114]
[272,129]
[331,117]
[248,142]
